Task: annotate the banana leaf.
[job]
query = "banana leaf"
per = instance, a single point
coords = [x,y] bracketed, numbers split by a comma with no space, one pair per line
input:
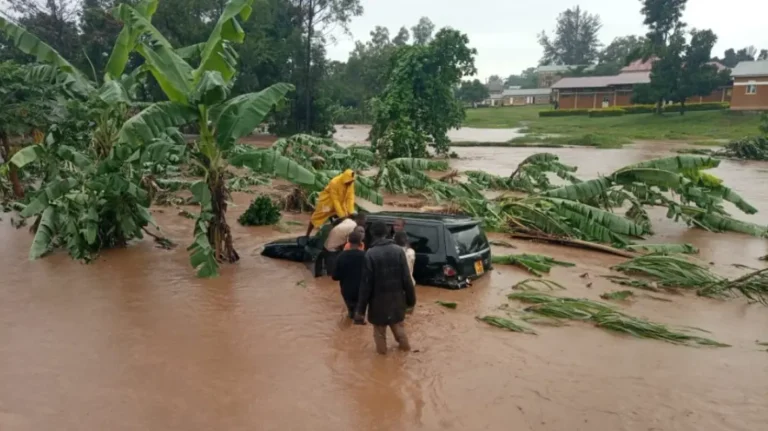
[42,243]
[664,248]
[677,163]
[215,55]
[585,215]
[152,122]
[126,41]
[242,114]
[414,164]
[721,223]
[30,44]
[582,191]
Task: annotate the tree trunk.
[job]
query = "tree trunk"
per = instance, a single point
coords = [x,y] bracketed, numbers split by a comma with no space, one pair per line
[308,83]
[13,174]
[219,234]
[658,107]
[682,107]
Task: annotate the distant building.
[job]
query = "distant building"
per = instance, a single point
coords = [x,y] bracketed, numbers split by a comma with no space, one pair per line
[750,86]
[548,75]
[532,96]
[594,92]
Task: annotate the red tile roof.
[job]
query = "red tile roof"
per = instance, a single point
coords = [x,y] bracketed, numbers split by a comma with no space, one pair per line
[604,81]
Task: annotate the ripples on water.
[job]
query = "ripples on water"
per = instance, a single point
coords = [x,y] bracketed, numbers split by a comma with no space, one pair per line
[134,342]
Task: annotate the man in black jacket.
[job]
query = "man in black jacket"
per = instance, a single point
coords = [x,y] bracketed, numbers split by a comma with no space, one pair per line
[349,271]
[386,289]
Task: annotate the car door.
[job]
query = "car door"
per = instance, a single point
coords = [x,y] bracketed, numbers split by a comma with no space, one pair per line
[425,240]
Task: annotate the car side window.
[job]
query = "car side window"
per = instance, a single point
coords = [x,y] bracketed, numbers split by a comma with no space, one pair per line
[423,239]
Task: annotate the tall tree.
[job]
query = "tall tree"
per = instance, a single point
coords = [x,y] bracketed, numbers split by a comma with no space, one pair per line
[667,43]
[54,21]
[763,54]
[622,50]
[418,105]
[575,41]
[422,31]
[318,18]
[526,79]
[472,91]
[402,37]
[698,77]
[731,57]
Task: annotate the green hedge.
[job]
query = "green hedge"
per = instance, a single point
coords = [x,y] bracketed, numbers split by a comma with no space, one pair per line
[639,109]
[563,112]
[606,112]
[707,106]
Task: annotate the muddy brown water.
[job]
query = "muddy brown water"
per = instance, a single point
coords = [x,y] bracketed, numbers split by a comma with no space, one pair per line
[133,341]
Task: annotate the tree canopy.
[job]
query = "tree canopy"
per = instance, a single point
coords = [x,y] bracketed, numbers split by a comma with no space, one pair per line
[575,40]
[472,91]
[418,106]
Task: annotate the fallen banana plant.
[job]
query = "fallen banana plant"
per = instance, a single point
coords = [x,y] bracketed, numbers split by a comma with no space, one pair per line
[663,248]
[606,317]
[536,264]
[617,295]
[531,283]
[504,323]
[673,271]
[670,271]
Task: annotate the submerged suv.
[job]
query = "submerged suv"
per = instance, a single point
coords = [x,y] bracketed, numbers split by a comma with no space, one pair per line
[450,250]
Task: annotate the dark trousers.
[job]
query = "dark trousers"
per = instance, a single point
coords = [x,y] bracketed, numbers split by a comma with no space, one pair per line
[326,260]
[380,337]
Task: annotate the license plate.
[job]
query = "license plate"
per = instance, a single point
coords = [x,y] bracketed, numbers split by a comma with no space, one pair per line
[479,269]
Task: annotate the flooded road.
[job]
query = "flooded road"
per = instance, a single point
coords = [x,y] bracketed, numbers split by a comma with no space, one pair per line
[134,341]
[358,134]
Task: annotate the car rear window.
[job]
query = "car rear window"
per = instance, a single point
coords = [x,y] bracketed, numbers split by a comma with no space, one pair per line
[423,239]
[469,239]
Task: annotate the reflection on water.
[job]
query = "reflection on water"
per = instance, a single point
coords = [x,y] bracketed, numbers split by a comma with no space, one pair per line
[134,342]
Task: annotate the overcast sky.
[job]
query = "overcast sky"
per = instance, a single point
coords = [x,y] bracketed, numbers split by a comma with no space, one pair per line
[504,31]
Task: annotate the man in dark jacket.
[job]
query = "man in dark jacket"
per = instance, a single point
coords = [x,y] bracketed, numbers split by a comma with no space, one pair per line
[349,271]
[386,290]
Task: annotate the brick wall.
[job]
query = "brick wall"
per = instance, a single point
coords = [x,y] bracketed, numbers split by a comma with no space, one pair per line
[740,100]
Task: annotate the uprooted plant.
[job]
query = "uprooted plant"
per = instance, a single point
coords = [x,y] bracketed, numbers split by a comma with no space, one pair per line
[674,271]
[606,317]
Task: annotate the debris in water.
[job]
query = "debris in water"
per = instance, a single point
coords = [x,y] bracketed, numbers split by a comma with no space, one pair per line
[530,284]
[664,248]
[301,283]
[504,323]
[617,295]
[536,264]
[585,275]
[670,271]
[632,282]
[186,214]
[451,305]
[605,316]
[502,244]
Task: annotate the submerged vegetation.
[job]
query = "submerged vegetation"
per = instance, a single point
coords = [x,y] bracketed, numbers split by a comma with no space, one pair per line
[606,317]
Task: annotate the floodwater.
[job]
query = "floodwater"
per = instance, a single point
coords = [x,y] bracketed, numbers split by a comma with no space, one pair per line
[133,341]
[358,134]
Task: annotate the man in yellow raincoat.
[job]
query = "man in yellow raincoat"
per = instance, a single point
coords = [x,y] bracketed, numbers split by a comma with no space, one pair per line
[338,198]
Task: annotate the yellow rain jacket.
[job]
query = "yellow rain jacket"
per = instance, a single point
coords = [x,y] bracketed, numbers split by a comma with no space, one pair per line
[337,198]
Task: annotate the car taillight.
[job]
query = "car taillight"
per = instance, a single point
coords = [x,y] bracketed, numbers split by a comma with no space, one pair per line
[448,271]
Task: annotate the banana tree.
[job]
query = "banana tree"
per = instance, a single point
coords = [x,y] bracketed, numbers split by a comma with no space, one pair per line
[200,96]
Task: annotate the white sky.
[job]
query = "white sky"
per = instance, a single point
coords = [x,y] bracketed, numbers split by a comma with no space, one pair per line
[504,31]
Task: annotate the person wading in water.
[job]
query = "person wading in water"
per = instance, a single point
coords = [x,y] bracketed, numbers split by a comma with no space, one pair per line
[386,289]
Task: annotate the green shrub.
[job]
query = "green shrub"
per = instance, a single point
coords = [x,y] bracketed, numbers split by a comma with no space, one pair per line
[639,109]
[262,211]
[707,106]
[606,112]
[563,112]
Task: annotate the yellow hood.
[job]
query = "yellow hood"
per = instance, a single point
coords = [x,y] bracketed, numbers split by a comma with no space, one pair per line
[347,176]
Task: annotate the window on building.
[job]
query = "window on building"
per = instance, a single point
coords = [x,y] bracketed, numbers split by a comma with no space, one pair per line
[751,89]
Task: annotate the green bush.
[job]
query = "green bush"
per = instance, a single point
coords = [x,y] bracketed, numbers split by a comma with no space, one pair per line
[639,109]
[707,106]
[262,211]
[563,112]
[606,112]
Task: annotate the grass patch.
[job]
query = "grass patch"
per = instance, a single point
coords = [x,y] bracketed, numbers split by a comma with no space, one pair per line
[703,126]
[606,317]
[709,143]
